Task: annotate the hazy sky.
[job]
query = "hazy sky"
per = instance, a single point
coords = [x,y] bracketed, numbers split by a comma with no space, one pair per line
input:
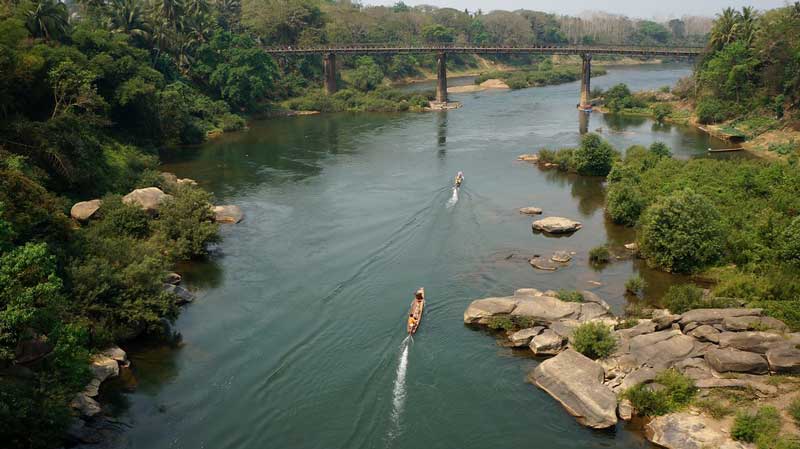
[632,8]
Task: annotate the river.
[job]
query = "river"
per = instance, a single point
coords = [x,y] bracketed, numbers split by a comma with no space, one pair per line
[296,339]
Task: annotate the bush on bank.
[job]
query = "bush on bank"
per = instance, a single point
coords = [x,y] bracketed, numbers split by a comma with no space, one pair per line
[382,99]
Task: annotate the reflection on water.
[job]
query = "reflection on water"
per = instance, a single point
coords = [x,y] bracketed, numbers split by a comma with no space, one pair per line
[441,132]
[583,122]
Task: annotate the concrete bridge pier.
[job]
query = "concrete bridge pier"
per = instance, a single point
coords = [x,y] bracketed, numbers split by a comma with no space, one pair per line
[441,85]
[329,72]
[586,76]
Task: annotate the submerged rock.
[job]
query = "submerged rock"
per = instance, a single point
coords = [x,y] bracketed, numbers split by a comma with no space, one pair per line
[228,214]
[530,211]
[576,381]
[561,257]
[540,263]
[556,225]
[686,431]
[85,210]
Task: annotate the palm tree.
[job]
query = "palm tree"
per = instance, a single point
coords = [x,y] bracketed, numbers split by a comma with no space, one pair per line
[229,13]
[197,7]
[746,26]
[724,30]
[47,19]
[171,10]
[127,16]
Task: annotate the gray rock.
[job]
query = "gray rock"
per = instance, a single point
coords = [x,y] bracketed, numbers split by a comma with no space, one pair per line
[546,309]
[592,297]
[714,382]
[690,327]
[481,310]
[696,368]
[715,316]
[662,349]
[642,375]
[705,333]
[556,225]
[561,257]
[753,323]
[759,342]
[784,359]
[528,157]
[115,353]
[547,343]
[590,311]
[663,319]
[182,296]
[149,198]
[228,214]
[85,210]
[523,337]
[686,431]
[564,328]
[632,246]
[540,263]
[625,410]
[644,327]
[576,382]
[733,360]
[102,368]
[527,292]
[173,278]
[530,211]
[85,405]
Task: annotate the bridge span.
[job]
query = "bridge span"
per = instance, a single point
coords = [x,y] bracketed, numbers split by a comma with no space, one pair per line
[585,51]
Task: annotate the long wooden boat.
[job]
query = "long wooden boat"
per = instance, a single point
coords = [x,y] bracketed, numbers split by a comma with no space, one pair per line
[724,150]
[417,306]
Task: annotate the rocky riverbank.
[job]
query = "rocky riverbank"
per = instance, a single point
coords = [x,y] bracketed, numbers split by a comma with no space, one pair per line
[719,349]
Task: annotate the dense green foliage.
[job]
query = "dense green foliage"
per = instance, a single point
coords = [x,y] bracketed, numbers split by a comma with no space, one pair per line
[545,74]
[675,392]
[593,157]
[759,427]
[594,340]
[383,99]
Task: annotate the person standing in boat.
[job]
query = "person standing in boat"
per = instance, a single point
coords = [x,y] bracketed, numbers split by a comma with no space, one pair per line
[459,179]
[411,320]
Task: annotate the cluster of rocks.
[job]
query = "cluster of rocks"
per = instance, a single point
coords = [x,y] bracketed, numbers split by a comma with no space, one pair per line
[150,200]
[717,348]
[557,260]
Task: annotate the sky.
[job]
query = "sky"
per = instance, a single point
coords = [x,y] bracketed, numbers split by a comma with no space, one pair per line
[632,8]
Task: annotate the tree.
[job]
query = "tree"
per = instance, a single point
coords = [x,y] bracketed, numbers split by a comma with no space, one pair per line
[367,75]
[594,156]
[47,19]
[681,233]
[438,34]
[128,16]
[73,89]
[678,29]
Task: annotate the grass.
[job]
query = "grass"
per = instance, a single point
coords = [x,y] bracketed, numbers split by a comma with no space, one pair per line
[678,392]
[635,285]
[510,323]
[713,407]
[599,255]
[570,295]
[794,411]
[761,427]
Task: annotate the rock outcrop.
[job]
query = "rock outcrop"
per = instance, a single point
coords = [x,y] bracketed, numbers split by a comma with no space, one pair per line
[228,214]
[784,359]
[547,343]
[522,338]
[576,381]
[148,198]
[556,225]
[733,360]
[85,210]
[687,431]
[103,366]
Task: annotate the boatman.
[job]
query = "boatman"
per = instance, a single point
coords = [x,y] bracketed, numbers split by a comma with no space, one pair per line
[411,320]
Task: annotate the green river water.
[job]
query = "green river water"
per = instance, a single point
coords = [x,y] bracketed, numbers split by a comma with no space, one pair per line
[296,339]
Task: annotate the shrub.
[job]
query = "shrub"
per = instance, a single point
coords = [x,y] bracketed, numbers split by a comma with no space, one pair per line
[794,410]
[118,218]
[367,75]
[594,156]
[790,243]
[510,323]
[624,203]
[710,110]
[565,159]
[628,323]
[759,427]
[594,340]
[660,149]
[185,224]
[570,295]
[599,255]
[682,298]
[635,285]
[681,233]
[661,111]
[677,392]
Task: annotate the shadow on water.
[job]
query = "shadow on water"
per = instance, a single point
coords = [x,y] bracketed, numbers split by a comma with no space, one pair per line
[588,190]
[441,133]
[620,123]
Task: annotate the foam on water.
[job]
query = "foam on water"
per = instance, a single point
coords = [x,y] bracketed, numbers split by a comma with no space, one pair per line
[453,199]
[399,393]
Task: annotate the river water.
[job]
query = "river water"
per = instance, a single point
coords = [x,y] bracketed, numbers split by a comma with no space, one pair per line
[296,339]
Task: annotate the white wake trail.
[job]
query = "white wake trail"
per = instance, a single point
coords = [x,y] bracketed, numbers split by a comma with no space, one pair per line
[399,393]
[453,199]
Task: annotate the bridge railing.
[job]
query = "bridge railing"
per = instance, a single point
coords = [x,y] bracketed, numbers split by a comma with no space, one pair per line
[462,48]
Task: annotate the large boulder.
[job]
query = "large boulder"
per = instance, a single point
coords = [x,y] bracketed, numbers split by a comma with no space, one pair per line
[715,316]
[546,309]
[85,210]
[182,296]
[784,358]
[759,342]
[228,214]
[556,225]
[705,333]
[148,198]
[523,337]
[547,343]
[753,323]
[576,381]
[102,368]
[481,310]
[662,349]
[733,360]
[686,431]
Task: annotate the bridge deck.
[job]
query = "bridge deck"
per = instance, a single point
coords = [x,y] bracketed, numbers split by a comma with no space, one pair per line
[546,50]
